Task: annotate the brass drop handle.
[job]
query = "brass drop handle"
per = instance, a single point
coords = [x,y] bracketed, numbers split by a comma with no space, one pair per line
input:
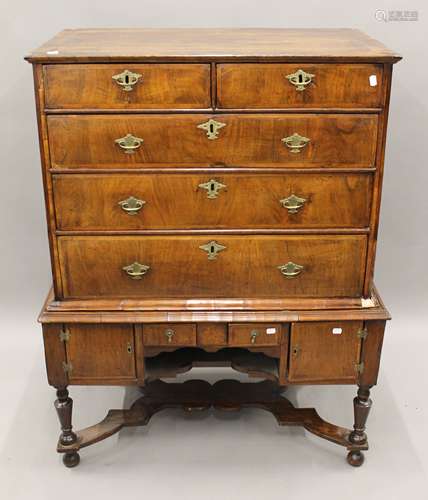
[295,143]
[291,270]
[300,79]
[131,205]
[136,271]
[169,334]
[293,203]
[129,143]
[253,336]
[127,79]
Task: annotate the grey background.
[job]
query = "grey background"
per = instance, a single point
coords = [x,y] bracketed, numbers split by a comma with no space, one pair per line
[212,457]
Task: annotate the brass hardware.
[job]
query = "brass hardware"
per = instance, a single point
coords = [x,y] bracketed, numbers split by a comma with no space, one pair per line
[64,335]
[129,143]
[212,127]
[136,270]
[290,270]
[300,79]
[293,203]
[127,79]
[129,348]
[67,367]
[212,248]
[362,334]
[254,335]
[296,350]
[213,187]
[295,142]
[131,205]
[169,334]
[359,367]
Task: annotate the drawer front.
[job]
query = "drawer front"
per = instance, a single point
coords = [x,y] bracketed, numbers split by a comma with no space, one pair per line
[325,351]
[212,266]
[187,201]
[330,140]
[98,86]
[254,334]
[272,86]
[100,353]
[169,334]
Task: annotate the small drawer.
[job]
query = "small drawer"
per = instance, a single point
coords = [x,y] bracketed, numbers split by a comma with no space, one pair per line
[252,334]
[325,352]
[281,86]
[127,86]
[169,334]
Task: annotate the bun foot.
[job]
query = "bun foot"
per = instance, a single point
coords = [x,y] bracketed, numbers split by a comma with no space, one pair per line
[355,458]
[71,459]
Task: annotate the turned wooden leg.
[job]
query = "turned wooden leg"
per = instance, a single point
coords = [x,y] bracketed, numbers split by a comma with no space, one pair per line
[362,405]
[64,408]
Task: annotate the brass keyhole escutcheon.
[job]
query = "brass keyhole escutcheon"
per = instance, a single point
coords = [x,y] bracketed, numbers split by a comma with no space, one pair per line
[129,348]
[212,248]
[296,350]
[127,79]
[169,334]
[300,79]
[291,270]
[213,187]
[212,128]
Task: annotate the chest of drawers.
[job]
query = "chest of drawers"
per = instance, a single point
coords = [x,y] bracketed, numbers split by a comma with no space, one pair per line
[212,197]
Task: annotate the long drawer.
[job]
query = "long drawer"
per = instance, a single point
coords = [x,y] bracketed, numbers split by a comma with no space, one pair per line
[212,266]
[131,141]
[195,201]
[125,86]
[299,85]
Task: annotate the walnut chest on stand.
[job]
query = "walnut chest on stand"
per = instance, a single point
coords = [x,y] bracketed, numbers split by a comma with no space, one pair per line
[212,198]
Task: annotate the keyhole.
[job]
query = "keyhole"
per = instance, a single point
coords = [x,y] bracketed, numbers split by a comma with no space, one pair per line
[300,78]
[126,78]
[211,128]
[212,186]
[129,348]
[212,249]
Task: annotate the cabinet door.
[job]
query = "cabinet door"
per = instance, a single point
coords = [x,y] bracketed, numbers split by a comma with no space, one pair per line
[325,352]
[101,354]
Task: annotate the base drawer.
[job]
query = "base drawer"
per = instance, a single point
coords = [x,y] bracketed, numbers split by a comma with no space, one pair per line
[254,334]
[212,266]
[169,334]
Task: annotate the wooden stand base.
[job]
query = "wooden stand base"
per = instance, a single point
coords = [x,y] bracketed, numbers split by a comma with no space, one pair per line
[197,395]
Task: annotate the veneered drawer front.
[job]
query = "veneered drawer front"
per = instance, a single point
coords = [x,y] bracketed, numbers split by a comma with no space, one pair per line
[169,334]
[202,200]
[328,140]
[212,266]
[254,334]
[327,351]
[267,86]
[92,86]
[100,354]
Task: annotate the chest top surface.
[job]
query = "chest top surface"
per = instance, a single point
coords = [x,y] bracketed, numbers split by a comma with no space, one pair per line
[169,44]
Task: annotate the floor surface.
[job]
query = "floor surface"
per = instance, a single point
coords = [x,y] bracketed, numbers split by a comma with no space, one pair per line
[213,455]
